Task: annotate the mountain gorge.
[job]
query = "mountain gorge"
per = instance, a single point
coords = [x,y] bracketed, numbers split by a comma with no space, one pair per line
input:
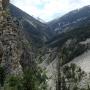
[44,56]
[38,31]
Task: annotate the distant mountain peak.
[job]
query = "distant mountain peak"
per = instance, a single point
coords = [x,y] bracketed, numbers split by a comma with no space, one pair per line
[71,18]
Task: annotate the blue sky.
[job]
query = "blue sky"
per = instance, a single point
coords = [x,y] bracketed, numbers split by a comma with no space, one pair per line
[49,9]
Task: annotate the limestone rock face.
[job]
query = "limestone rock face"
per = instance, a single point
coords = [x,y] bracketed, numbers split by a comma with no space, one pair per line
[12,43]
[14,48]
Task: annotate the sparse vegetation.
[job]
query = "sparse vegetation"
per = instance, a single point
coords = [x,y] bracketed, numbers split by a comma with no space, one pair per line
[34,80]
[31,80]
[71,51]
[71,76]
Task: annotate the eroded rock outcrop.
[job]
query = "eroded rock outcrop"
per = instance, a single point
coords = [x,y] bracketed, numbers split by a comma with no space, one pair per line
[13,44]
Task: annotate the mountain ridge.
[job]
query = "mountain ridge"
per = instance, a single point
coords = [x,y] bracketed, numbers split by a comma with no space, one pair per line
[34,29]
[70,18]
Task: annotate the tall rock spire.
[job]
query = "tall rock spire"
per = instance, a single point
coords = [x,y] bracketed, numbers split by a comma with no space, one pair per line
[10,44]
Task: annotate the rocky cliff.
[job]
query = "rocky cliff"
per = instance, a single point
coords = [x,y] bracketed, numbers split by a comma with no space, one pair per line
[14,48]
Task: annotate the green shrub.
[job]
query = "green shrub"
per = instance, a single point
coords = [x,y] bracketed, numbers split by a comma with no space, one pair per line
[15,82]
[31,80]
[34,80]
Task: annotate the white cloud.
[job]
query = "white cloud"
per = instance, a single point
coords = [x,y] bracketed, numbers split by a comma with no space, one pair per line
[49,9]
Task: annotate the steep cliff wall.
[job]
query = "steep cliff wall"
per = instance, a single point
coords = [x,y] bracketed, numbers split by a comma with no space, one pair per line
[13,45]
